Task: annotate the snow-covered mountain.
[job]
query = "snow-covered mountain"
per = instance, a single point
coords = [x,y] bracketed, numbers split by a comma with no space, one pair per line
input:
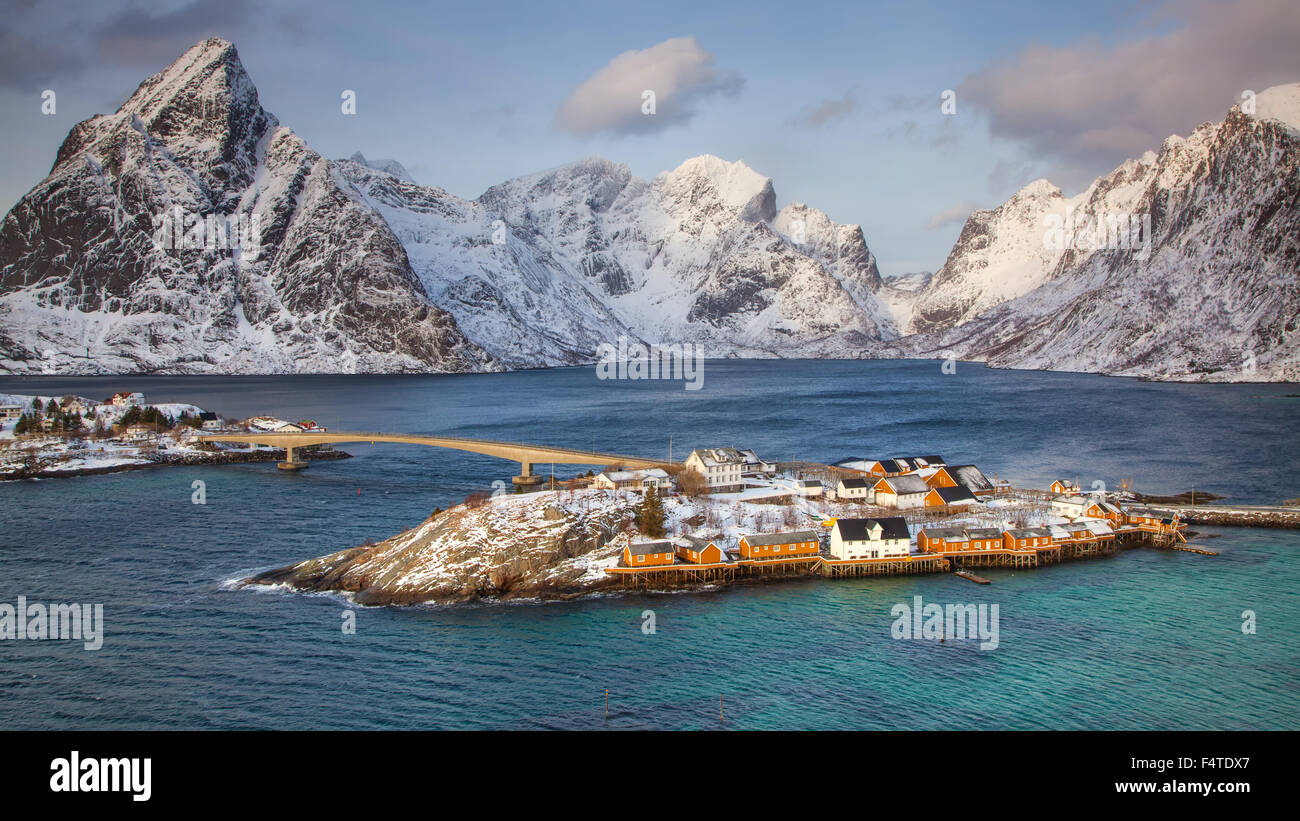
[542,269]
[287,262]
[190,232]
[353,266]
[1208,289]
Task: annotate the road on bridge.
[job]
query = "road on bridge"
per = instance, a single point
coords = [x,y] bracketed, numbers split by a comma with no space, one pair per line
[525,454]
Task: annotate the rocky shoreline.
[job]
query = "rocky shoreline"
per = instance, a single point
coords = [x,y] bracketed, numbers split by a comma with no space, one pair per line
[511,547]
[1242,517]
[215,458]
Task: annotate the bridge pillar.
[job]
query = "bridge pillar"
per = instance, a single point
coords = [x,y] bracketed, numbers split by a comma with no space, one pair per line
[289,463]
[526,475]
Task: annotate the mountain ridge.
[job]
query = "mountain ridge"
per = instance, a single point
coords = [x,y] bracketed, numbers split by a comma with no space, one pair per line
[350,265]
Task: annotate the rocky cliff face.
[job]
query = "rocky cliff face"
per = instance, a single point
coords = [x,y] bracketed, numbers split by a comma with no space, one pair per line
[542,269]
[1211,291]
[525,546]
[190,232]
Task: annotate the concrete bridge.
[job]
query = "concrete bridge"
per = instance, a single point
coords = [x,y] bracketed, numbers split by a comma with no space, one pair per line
[526,455]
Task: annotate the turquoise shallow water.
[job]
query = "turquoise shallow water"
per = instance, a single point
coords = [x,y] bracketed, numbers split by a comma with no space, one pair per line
[1144,640]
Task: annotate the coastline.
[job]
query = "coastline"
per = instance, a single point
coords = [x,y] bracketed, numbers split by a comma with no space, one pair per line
[219,458]
[565,545]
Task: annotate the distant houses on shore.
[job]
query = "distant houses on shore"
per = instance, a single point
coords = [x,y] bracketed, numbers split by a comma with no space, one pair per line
[921,486]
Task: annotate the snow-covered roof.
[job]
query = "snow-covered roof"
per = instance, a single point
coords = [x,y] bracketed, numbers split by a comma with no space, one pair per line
[907,483]
[970,476]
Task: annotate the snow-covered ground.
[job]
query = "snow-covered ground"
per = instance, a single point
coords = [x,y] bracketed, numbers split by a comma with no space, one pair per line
[57,453]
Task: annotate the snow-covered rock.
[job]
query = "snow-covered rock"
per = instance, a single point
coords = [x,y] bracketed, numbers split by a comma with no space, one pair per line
[1210,292]
[291,270]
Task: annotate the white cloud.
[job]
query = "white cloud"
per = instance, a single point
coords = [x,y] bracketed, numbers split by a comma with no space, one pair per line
[1098,104]
[678,71]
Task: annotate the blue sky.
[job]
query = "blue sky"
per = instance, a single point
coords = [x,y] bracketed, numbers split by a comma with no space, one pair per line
[838,102]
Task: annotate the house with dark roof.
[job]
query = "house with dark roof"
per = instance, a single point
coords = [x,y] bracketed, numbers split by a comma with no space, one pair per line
[879,538]
[854,487]
[984,538]
[959,496]
[779,545]
[885,467]
[808,487]
[697,550]
[1021,538]
[1102,509]
[942,539]
[973,478]
[1147,518]
[722,468]
[648,554]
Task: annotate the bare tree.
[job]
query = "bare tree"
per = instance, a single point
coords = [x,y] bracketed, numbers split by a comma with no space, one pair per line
[692,483]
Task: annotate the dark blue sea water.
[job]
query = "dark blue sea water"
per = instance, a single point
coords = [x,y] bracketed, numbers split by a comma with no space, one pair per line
[1141,640]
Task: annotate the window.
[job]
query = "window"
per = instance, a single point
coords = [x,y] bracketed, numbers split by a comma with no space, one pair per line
[640,558]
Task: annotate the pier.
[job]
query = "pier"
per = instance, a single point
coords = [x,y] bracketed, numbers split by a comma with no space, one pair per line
[666,577]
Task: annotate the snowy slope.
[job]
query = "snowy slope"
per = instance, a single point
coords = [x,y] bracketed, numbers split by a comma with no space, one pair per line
[354,267]
[1215,295]
[305,277]
[543,268]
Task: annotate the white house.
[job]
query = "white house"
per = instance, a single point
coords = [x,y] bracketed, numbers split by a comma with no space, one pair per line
[808,487]
[270,424]
[870,538]
[1071,507]
[722,468]
[854,487]
[633,479]
[616,480]
[657,478]
[901,492]
[8,412]
[124,399]
[138,433]
[754,465]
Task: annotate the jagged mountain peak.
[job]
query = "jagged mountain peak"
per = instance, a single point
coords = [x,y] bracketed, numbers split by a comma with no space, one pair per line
[392,167]
[188,232]
[201,88]
[734,184]
[1041,189]
[1179,264]
[595,181]
[202,111]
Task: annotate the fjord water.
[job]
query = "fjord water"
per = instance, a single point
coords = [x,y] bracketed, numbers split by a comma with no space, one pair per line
[1143,640]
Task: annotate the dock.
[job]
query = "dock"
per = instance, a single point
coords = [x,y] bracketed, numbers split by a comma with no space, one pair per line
[958,562]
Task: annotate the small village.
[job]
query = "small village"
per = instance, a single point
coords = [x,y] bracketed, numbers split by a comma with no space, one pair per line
[74,435]
[902,515]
